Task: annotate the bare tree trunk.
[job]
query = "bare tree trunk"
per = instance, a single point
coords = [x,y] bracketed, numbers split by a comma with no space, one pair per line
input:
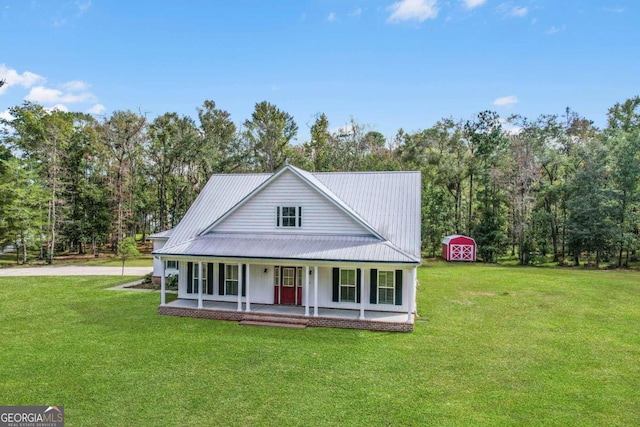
[622,209]
[470,204]
[52,205]
[24,250]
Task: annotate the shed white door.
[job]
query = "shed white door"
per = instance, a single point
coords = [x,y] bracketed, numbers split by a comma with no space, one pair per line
[461,253]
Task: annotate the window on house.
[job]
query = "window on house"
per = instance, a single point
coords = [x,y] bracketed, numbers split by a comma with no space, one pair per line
[195,278]
[288,277]
[347,285]
[276,275]
[173,265]
[289,216]
[231,279]
[386,287]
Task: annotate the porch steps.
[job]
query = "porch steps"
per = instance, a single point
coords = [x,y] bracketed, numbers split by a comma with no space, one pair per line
[274,321]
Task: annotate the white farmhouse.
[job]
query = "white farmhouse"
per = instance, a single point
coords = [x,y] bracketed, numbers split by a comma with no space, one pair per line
[170,266]
[299,248]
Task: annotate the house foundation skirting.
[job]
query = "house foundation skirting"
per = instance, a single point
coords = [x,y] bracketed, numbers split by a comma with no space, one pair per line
[319,321]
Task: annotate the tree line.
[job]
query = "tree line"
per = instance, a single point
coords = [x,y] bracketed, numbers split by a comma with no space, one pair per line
[551,187]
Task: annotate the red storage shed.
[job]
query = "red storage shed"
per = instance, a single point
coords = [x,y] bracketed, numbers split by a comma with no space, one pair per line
[458,248]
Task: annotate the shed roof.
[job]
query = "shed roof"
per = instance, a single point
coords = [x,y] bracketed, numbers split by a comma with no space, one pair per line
[448,239]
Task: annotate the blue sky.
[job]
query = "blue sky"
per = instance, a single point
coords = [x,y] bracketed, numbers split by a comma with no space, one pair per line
[389,64]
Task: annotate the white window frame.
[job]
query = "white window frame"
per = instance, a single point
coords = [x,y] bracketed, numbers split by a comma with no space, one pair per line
[194,278]
[173,262]
[346,286]
[296,217]
[288,281]
[386,287]
[230,281]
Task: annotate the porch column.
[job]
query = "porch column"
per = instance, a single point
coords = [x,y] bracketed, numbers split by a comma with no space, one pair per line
[162,283]
[362,298]
[411,293]
[306,291]
[247,302]
[200,284]
[239,287]
[315,291]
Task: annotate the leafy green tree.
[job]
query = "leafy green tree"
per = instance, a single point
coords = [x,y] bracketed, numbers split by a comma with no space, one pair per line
[170,138]
[23,201]
[623,142]
[318,149]
[522,176]
[269,133]
[43,136]
[123,138]
[127,249]
[590,226]
[221,149]
[485,134]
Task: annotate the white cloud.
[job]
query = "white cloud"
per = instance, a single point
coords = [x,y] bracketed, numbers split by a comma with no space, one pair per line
[58,107]
[418,10]
[6,115]
[509,127]
[472,4]
[41,94]
[519,12]
[506,101]
[13,78]
[97,109]
[331,17]
[59,22]
[83,6]
[356,12]
[75,86]
[554,29]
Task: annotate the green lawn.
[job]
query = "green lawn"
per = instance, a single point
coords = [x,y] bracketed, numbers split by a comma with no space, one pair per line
[494,346]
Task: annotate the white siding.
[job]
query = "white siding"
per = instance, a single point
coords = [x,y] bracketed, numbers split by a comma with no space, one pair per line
[319,215]
[325,292]
[157,264]
[262,285]
[261,291]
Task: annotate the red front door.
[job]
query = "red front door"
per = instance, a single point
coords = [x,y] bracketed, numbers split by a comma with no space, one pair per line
[288,285]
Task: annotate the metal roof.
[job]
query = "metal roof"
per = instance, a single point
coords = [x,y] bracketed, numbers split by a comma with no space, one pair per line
[221,193]
[290,247]
[161,235]
[386,203]
[447,239]
[389,201]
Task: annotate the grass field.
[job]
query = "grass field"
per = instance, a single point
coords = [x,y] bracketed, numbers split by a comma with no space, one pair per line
[493,346]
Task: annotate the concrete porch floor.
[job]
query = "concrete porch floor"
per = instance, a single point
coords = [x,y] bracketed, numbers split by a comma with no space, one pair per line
[330,317]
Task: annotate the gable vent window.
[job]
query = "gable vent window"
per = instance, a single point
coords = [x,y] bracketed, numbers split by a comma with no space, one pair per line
[289,216]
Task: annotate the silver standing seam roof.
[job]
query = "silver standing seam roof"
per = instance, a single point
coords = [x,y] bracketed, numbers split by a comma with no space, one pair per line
[386,203]
[163,235]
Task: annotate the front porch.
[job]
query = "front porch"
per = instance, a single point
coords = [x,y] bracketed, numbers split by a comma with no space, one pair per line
[325,317]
